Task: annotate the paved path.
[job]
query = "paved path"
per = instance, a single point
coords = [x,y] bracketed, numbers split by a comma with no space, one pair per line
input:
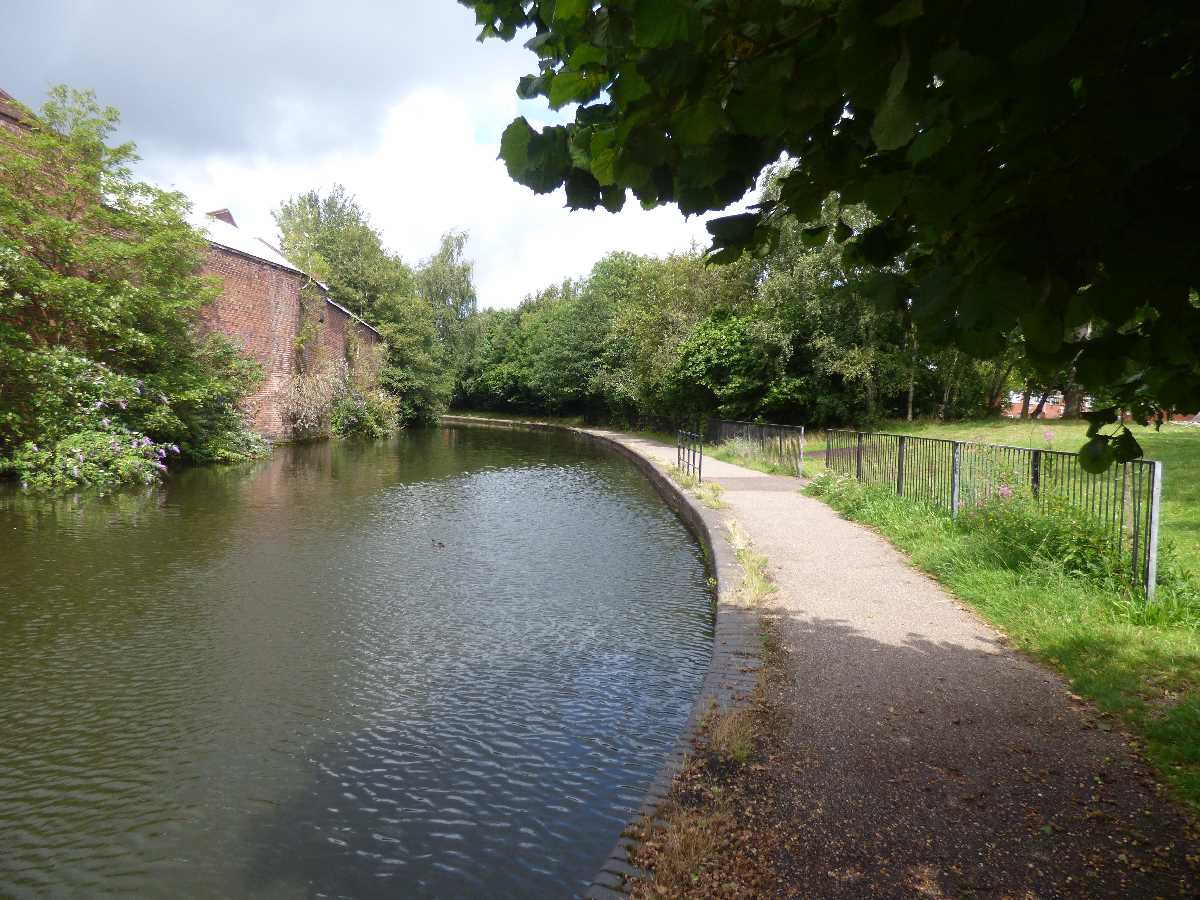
[920,756]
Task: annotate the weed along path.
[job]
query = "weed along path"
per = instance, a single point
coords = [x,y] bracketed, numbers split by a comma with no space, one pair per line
[905,750]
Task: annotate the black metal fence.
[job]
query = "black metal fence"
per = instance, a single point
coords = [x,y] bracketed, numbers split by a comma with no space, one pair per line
[689,453]
[782,445]
[954,475]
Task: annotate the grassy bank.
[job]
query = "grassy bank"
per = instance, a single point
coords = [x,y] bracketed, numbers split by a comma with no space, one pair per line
[1176,446]
[1044,582]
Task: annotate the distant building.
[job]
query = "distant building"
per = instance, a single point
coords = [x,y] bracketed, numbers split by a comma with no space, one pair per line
[261,308]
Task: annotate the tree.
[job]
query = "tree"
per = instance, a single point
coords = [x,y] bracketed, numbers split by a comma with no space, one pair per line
[446,281]
[1033,163]
[103,370]
[332,238]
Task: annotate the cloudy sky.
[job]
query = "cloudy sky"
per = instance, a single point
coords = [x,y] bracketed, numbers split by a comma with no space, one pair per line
[241,104]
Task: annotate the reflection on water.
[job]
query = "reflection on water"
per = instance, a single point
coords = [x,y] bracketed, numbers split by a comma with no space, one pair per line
[443,665]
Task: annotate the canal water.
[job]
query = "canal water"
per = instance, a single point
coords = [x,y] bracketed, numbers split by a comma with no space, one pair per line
[441,666]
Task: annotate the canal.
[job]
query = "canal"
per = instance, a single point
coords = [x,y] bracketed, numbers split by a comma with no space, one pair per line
[439,666]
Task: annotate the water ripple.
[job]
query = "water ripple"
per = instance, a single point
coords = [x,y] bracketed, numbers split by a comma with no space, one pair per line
[446,664]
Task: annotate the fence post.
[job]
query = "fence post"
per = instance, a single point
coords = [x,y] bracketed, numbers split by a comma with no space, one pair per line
[828,449]
[800,461]
[1152,537]
[900,466]
[699,457]
[1035,472]
[858,458]
[954,479]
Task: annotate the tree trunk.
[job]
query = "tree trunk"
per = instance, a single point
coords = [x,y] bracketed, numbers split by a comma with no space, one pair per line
[1025,401]
[912,377]
[1037,413]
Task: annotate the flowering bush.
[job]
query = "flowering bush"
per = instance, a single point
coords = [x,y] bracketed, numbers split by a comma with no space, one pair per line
[93,458]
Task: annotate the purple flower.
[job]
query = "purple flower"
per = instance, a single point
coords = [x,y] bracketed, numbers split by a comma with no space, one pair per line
[146,442]
[1005,491]
[133,445]
[1048,434]
[161,453]
[99,404]
[174,448]
[33,447]
[106,422]
[79,455]
[114,447]
[161,467]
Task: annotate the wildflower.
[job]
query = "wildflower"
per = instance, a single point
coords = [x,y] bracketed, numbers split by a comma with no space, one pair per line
[122,404]
[114,447]
[161,452]
[146,442]
[79,455]
[1005,491]
[162,398]
[99,404]
[174,448]
[33,447]
[161,467]
[105,422]
[1048,434]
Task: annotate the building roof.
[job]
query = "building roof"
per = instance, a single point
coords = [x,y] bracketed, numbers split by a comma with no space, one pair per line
[233,238]
[222,233]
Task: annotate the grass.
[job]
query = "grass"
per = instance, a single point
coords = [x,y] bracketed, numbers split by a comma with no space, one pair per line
[748,455]
[1138,662]
[707,492]
[1176,446]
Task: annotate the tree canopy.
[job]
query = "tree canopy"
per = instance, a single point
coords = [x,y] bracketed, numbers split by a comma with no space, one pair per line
[1030,166]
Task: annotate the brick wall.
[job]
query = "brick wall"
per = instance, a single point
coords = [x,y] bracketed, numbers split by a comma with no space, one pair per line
[259,309]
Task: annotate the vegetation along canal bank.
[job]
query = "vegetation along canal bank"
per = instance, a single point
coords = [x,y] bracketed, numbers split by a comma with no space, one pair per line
[448,663]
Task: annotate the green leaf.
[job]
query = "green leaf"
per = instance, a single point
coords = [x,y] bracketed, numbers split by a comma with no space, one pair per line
[896,118]
[883,193]
[569,86]
[1125,446]
[604,156]
[814,236]
[929,142]
[1098,418]
[904,11]
[514,145]
[1096,455]
[661,23]
[568,10]
[733,231]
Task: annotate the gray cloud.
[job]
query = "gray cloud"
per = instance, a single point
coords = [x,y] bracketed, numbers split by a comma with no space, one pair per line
[285,78]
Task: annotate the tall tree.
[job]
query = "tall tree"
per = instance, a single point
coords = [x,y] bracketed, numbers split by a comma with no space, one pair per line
[1033,161]
[102,363]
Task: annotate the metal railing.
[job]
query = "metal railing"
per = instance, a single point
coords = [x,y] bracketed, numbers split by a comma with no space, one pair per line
[782,445]
[1125,500]
[689,453]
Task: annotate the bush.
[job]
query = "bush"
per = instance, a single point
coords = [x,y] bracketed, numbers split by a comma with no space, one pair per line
[94,458]
[370,414]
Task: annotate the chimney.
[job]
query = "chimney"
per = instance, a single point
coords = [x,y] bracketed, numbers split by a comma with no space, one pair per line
[224,215]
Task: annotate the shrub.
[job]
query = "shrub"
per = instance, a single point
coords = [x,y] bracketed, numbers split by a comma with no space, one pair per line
[370,414]
[93,458]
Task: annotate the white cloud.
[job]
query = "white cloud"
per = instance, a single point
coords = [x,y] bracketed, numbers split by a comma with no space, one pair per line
[434,168]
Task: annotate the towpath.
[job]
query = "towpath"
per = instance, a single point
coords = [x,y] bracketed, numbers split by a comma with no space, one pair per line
[918,754]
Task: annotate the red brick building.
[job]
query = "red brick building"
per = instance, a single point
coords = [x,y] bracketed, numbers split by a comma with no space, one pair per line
[260,307]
